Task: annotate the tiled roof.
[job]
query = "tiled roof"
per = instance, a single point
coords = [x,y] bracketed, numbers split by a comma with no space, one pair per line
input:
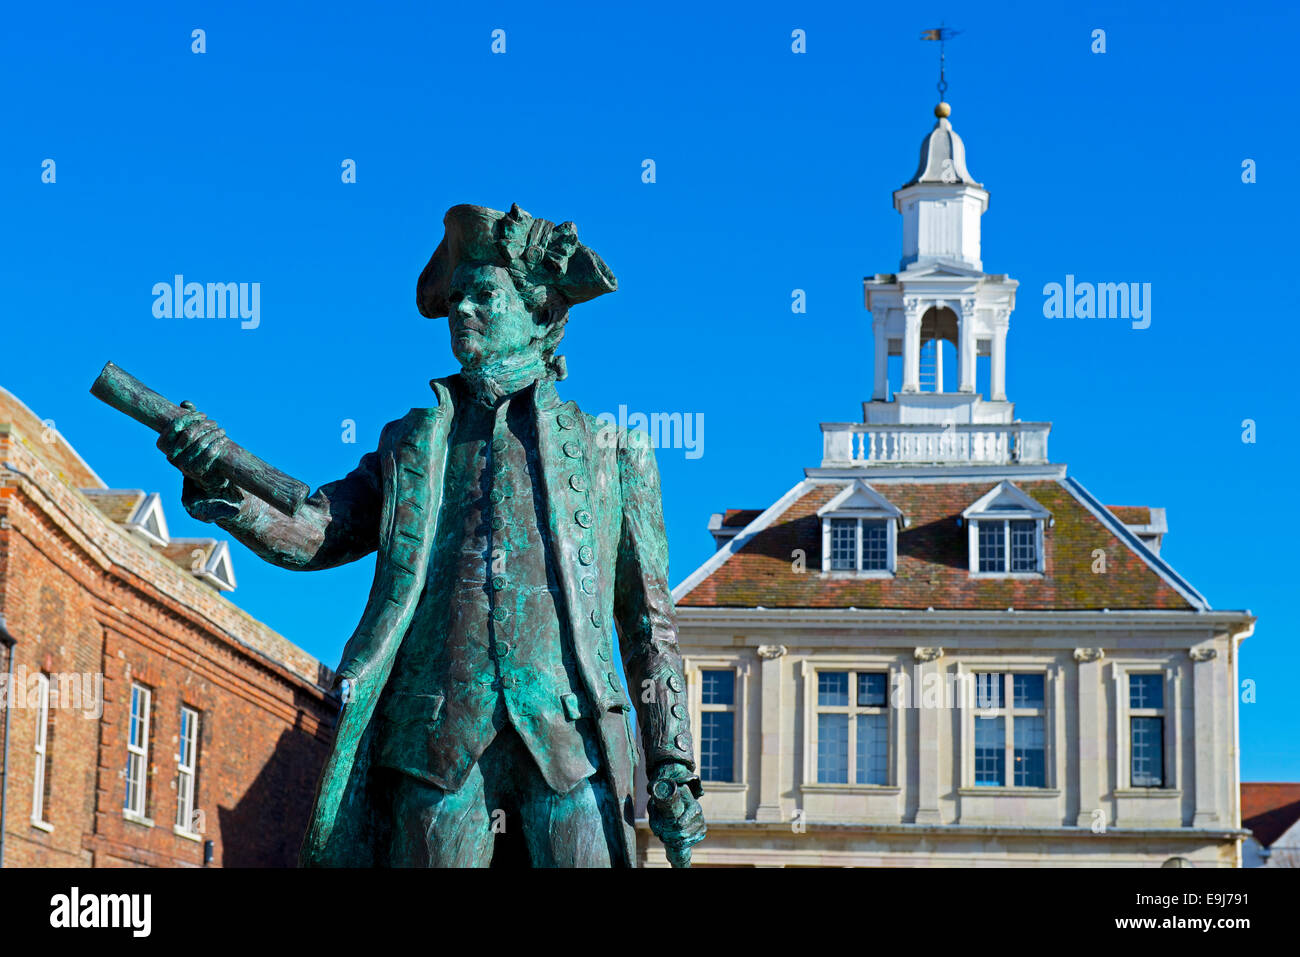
[118,505]
[185,552]
[740,517]
[1131,514]
[1269,809]
[47,443]
[87,509]
[933,565]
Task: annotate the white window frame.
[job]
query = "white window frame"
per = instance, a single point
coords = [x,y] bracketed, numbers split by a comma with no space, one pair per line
[187,767]
[1007,714]
[1165,727]
[1053,714]
[720,709]
[859,502]
[1121,729]
[1005,504]
[41,749]
[692,667]
[149,508]
[135,806]
[852,709]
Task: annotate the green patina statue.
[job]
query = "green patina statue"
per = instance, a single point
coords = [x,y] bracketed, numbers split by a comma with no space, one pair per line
[484,717]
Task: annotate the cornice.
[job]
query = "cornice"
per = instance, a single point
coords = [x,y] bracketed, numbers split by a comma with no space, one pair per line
[950,620]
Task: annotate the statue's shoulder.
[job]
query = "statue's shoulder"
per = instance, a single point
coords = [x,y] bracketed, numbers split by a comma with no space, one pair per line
[418,423]
[446,390]
[593,423]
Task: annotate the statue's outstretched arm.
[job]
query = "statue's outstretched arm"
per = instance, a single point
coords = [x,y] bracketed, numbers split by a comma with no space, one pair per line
[338,523]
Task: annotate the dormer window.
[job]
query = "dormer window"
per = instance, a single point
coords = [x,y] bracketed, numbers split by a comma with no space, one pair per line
[1006,533]
[206,558]
[138,512]
[859,532]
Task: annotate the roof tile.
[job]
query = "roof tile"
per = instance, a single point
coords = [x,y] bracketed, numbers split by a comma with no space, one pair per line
[932,568]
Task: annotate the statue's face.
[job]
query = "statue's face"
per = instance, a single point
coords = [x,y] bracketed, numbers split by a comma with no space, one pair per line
[488,319]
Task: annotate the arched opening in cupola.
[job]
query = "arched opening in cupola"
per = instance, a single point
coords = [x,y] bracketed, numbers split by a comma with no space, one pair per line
[938,348]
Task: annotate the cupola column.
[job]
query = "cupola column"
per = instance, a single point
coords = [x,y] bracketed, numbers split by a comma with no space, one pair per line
[911,346]
[880,387]
[966,346]
[998,361]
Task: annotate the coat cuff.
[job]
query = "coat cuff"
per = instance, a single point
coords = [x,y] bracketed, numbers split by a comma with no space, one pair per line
[666,734]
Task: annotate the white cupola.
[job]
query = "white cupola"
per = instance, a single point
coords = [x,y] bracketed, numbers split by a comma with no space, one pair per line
[939,327]
[942,203]
[941,299]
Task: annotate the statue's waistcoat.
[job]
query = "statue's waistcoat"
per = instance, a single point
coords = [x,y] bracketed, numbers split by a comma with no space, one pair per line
[489,643]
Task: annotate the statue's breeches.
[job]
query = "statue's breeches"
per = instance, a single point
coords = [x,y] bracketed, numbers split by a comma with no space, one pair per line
[505,799]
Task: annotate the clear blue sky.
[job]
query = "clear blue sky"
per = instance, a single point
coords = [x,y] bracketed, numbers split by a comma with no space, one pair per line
[774,172]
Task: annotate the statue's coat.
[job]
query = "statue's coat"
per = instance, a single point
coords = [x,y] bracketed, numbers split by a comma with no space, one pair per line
[391,502]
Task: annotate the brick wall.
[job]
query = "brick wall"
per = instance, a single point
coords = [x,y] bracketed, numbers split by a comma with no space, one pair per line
[84,597]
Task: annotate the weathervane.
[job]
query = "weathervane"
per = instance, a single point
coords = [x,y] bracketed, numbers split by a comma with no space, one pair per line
[942,34]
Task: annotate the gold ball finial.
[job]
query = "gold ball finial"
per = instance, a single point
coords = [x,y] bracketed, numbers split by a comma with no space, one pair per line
[942,110]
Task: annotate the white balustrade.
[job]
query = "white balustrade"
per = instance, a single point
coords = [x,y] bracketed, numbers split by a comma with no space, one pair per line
[988,444]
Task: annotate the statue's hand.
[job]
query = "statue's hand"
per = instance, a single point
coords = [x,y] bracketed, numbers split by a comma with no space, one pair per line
[687,827]
[193,443]
[211,505]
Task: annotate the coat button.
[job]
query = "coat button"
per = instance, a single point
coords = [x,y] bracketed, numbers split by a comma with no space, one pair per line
[613,680]
[602,654]
[498,444]
[509,682]
[582,517]
[679,712]
[589,585]
[572,449]
[496,495]
[498,523]
[577,484]
[595,618]
[503,648]
[586,554]
[675,683]
[682,742]
[500,614]
[499,582]
[564,421]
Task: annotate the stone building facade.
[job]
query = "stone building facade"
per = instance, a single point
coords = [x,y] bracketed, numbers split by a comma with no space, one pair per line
[148,721]
[938,648]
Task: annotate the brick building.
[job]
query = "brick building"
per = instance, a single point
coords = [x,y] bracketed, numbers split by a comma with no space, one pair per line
[148,721]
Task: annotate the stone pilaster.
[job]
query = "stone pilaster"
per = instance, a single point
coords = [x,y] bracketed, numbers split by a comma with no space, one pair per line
[1092,740]
[927,808]
[771,696]
[1204,734]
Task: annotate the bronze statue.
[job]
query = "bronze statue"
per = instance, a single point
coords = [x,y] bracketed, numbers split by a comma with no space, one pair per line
[481,697]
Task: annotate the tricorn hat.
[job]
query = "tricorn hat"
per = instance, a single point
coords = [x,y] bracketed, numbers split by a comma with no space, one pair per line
[536,250]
